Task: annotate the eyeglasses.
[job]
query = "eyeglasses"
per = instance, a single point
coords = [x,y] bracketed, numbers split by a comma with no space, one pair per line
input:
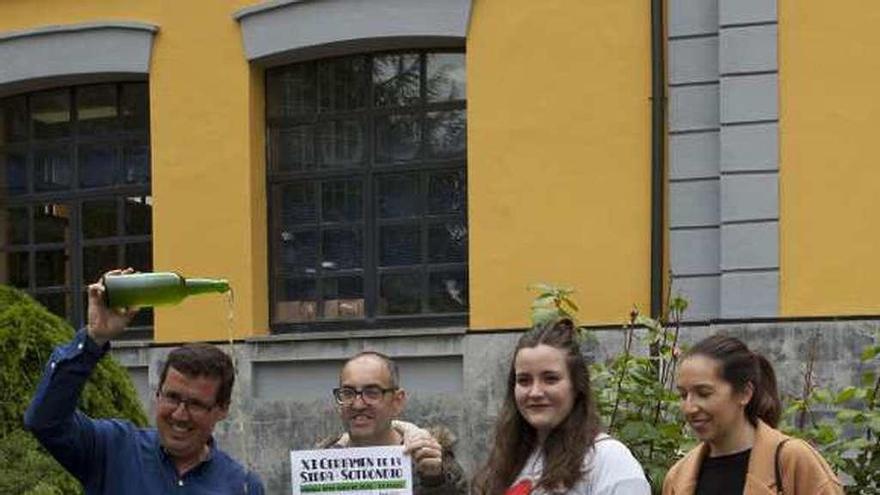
[193,406]
[370,394]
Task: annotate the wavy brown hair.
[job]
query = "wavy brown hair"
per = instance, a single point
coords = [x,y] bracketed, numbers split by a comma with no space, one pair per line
[565,446]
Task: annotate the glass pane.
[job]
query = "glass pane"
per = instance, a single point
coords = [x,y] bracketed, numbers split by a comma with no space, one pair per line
[343,297]
[50,114]
[447,243]
[96,112]
[299,252]
[342,83]
[342,142]
[446,77]
[341,201]
[51,222]
[135,106]
[139,256]
[52,170]
[396,79]
[136,164]
[97,260]
[399,245]
[292,148]
[99,218]
[13,174]
[448,292]
[15,221]
[298,204]
[143,318]
[447,192]
[56,302]
[446,134]
[400,294]
[342,249]
[138,215]
[398,196]
[16,270]
[97,165]
[51,268]
[13,120]
[298,300]
[398,137]
[290,91]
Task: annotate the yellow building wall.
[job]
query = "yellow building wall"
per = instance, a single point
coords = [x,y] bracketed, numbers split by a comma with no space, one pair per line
[208,170]
[559,155]
[829,240]
[559,166]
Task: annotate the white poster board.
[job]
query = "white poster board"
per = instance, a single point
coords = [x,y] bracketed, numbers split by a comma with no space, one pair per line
[354,471]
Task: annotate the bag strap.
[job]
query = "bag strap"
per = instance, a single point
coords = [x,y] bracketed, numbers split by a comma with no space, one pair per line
[777,468]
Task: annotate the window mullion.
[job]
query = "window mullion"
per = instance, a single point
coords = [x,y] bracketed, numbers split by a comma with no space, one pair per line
[371,234]
[76,262]
[423,230]
[423,186]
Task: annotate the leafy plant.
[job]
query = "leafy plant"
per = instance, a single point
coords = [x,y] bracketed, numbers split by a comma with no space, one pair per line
[552,303]
[636,399]
[634,389]
[28,333]
[847,432]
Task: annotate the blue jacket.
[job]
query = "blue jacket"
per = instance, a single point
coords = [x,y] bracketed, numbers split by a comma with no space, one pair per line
[111,456]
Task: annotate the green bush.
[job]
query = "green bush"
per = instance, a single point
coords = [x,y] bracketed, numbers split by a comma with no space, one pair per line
[844,424]
[28,334]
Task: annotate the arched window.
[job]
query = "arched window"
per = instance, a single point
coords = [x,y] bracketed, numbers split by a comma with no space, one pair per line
[74,191]
[367,180]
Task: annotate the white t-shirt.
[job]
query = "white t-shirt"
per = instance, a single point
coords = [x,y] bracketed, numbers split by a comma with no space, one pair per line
[609,467]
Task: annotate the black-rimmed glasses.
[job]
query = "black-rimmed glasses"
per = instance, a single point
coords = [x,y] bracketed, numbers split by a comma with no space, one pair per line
[193,406]
[370,394]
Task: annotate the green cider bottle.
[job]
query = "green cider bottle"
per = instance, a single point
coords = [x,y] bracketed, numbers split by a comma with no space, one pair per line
[134,290]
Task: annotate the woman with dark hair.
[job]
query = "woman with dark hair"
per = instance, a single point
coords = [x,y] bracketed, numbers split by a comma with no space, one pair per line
[729,398]
[547,438]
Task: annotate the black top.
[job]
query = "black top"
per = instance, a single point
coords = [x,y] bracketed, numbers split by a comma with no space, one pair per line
[724,475]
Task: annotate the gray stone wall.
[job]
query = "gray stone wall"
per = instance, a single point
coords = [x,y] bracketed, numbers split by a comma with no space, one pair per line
[282,398]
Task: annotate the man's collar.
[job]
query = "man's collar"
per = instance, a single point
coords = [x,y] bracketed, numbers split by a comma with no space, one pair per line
[209,456]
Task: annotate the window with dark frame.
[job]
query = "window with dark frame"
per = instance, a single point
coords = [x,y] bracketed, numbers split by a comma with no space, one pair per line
[75,192]
[367,186]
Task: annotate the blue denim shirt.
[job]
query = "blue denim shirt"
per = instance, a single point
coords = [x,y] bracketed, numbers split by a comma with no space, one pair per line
[111,456]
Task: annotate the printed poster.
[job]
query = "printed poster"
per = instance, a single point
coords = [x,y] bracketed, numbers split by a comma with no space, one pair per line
[354,471]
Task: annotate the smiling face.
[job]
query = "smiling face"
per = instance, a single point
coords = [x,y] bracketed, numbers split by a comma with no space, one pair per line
[184,430]
[543,388]
[711,406]
[369,423]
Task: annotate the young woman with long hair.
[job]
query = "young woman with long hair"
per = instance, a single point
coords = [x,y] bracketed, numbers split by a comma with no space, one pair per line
[548,438]
[729,398]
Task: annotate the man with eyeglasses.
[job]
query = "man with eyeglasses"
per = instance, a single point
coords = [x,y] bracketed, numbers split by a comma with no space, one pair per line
[369,397]
[113,456]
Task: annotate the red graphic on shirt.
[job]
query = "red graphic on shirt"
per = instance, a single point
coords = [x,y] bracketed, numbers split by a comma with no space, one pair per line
[524,487]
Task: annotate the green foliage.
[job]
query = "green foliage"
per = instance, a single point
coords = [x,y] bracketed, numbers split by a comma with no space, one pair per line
[636,398]
[552,303]
[28,334]
[635,389]
[848,433]
[26,469]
